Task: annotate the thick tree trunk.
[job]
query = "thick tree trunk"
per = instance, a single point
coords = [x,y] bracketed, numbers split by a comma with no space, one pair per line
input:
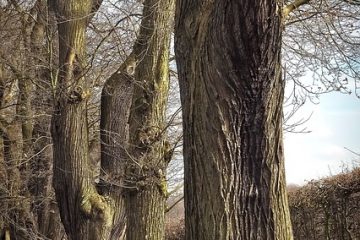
[145,212]
[133,126]
[84,213]
[228,56]
[145,168]
[143,182]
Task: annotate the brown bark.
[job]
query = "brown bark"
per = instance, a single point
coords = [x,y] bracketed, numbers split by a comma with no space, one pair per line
[146,165]
[228,56]
[115,106]
[84,213]
[145,212]
[132,159]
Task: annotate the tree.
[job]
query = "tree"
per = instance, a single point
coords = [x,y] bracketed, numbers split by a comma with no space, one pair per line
[135,151]
[133,168]
[228,56]
[25,144]
[150,151]
[319,40]
[84,213]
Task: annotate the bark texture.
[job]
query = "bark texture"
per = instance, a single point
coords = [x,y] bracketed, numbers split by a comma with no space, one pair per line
[145,182]
[133,128]
[84,213]
[115,108]
[228,57]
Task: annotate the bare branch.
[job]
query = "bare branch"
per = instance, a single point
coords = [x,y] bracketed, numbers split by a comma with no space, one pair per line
[353,152]
[174,204]
[96,5]
[352,2]
[292,6]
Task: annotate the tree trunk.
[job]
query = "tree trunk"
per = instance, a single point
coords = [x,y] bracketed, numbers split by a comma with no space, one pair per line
[115,107]
[228,56]
[84,213]
[132,160]
[145,211]
[145,167]
[40,61]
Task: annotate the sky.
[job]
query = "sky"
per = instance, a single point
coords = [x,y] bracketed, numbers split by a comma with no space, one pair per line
[334,126]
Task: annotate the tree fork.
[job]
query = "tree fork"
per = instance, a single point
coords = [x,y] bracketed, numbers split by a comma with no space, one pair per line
[84,212]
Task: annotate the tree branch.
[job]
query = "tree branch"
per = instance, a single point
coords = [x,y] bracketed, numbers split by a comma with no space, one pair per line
[174,204]
[292,6]
[96,5]
[352,2]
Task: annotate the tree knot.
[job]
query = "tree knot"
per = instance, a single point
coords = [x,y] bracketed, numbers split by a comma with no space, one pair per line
[78,94]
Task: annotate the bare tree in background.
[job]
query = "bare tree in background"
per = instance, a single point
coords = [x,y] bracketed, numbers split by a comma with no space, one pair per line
[320,53]
[27,211]
[29,70]
[104,51]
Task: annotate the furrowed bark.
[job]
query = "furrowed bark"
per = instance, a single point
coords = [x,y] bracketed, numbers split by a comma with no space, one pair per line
[146,164]
[132,126]
[84,213]
[228,58]
[115,107]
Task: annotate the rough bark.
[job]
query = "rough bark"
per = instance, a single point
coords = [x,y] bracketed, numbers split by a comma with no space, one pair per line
[133,127]
[115,107]
[146,165]
[84,213]
[145,212]
[228,58]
